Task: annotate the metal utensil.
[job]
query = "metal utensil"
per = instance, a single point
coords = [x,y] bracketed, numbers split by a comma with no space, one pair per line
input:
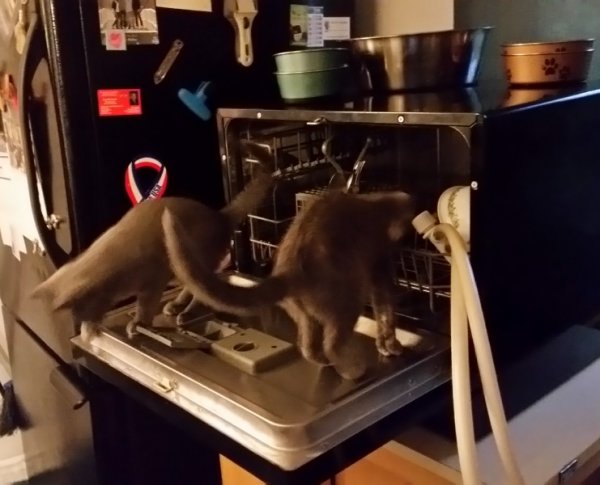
[353,184]
[426,60]
[338,179]
[168,61]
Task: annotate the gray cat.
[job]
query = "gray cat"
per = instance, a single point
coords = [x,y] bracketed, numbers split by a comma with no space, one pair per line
[334,257]
[130,258]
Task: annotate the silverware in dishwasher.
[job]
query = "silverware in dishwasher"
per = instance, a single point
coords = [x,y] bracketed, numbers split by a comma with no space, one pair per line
[353,184]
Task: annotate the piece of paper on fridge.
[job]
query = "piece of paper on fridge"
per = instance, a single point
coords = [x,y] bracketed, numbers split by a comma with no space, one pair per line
[306,25]
[4,160]
[5,231]
[24,221]
[13,144]
[195,5]
[18,243]
[8,12]
[11,237]
[336,28]
[16,216]
[5,211]
[136,18]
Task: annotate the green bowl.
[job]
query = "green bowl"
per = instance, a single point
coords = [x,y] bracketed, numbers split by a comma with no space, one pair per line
[311,59]
[313,84]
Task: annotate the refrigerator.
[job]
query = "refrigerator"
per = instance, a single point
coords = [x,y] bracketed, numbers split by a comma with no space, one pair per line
[104,103]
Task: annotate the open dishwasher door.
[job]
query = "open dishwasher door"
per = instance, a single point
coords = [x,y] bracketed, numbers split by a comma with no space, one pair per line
[245,378]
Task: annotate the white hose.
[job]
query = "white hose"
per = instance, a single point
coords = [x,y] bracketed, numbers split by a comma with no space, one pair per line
[464,296]
[461,385]
[483,352]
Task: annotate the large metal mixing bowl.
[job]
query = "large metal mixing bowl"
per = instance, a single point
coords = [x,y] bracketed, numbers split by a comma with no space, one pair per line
[425,60]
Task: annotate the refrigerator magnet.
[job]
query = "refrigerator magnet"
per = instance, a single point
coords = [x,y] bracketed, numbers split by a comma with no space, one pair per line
[136,19]
[120,102]
[306,25]
[115,40]
[149,185]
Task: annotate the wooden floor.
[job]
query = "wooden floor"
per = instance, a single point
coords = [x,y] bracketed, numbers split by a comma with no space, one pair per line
[382,467]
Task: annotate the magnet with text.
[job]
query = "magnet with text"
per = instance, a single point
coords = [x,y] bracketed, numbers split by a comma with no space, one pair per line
[120,102]
[140,188]
[306,25]
[135,19]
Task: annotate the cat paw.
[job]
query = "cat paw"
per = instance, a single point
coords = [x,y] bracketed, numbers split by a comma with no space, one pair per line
[131,329]
[183,318]
[389,346]
[351,372]
[316,357]
[172,309]
[89,331]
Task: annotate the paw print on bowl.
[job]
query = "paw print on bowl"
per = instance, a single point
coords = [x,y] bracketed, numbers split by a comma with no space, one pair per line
[564,73]
[508,74]
[550,66]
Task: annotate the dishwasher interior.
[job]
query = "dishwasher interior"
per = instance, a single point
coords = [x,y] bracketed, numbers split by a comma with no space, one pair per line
[317,156]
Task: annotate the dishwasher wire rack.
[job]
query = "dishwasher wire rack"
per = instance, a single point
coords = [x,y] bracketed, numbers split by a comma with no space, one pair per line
[298,154]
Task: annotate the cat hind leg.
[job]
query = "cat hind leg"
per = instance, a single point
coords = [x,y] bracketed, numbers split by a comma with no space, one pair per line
[310,333]
[386,342]
[382,300]
[343,351]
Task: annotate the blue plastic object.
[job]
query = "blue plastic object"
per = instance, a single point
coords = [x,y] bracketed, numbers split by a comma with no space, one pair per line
[196,101]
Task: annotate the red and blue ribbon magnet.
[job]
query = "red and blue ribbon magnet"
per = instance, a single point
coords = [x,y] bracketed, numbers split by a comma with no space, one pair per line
[132,183]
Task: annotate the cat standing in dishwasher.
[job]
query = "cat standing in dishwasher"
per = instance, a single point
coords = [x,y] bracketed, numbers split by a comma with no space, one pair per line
[332,260]
[130,258]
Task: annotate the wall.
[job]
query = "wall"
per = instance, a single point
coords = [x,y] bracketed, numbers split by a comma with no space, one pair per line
[12,459]
[391,17]
[529,20]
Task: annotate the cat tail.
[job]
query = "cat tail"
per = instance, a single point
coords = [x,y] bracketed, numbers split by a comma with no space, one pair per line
[206,286]
[249,199]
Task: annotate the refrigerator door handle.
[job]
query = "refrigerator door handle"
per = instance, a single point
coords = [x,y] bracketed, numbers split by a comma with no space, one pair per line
[44,225]
[67,386]
[63,377]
